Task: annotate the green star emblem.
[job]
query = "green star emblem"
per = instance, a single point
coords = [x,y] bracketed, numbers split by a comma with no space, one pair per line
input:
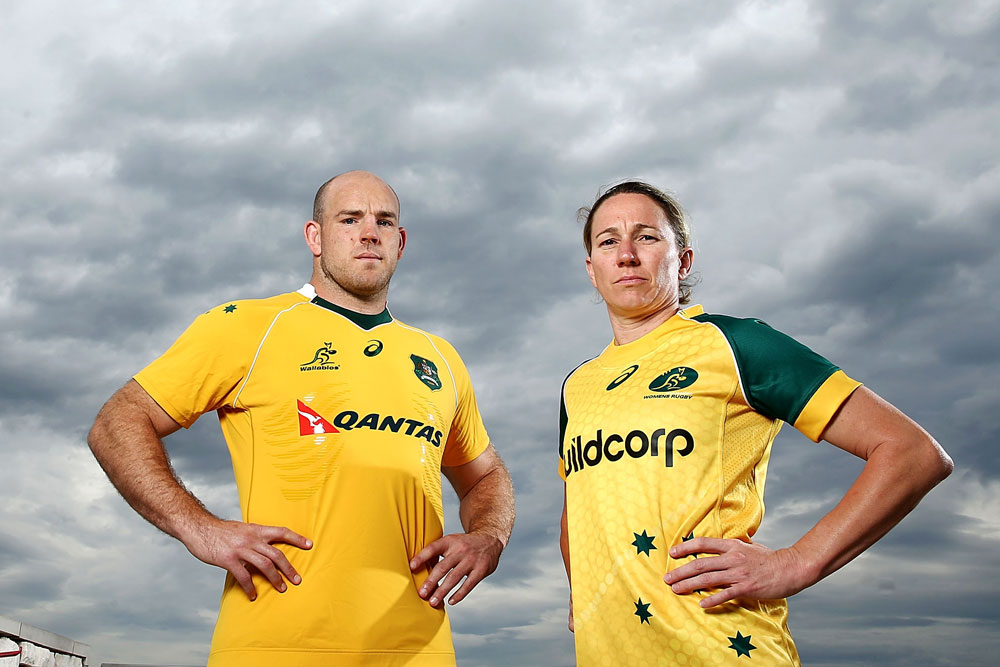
[643,543]
[741,644]
[230,308]
[642,611]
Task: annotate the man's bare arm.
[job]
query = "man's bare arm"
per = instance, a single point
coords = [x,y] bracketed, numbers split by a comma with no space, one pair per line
[486,508]
[126,439]
[903,464]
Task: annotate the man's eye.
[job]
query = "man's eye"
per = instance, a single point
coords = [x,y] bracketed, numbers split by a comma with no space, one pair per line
[607,242]
[349,221]
[385,223]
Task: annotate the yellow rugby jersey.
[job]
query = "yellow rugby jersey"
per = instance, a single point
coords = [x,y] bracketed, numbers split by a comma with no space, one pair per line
[338,424]
[668,438]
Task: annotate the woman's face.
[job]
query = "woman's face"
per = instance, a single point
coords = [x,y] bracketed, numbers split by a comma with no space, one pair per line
[634,262]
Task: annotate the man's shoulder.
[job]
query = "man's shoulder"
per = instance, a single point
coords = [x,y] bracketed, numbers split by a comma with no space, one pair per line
[239,309]
[243,319]
[409,329]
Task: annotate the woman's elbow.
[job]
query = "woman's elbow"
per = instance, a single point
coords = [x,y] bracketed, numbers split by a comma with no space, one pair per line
[935,462]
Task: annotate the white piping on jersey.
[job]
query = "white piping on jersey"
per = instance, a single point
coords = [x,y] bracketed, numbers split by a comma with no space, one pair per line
[732,353]
[261,346]
[454,385]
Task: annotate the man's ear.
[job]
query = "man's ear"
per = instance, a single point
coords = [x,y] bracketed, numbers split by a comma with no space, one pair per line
[313,233]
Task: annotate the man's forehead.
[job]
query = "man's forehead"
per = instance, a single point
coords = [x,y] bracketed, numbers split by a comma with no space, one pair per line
[361,194]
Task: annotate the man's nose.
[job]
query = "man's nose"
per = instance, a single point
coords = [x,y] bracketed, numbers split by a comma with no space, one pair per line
[369,229]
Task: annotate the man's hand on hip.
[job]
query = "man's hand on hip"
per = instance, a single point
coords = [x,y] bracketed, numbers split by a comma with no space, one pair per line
[241,548]
[471,555]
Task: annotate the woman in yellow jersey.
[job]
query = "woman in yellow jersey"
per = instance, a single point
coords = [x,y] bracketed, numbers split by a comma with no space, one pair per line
[664,443]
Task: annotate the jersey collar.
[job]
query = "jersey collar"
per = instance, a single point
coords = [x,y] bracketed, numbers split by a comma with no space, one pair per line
[364,321]
[614,355]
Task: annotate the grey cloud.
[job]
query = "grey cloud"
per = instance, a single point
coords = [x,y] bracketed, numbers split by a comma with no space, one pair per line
[171,175]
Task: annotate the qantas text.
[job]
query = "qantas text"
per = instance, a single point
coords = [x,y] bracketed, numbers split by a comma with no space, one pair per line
[349,419]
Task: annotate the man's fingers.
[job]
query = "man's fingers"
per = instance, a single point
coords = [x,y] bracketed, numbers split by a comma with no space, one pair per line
[450,581]
[277,556]
[431,587]
[266,567]
[469,583]
[432,550]
[284,535]
[244,579]
[472,580]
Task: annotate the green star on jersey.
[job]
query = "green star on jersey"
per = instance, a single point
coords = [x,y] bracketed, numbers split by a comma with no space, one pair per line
[230,308]
[643,543]
[642,611]
[741,644]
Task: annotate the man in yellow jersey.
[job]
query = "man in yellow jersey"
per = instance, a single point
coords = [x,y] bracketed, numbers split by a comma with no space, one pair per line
[664,443]
[340,420]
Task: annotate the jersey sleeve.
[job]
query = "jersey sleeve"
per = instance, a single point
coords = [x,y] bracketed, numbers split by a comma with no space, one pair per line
[782,378]
[205,366]
[467,437]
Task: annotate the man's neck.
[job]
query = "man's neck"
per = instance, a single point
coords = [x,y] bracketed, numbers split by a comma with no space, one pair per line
[335,294]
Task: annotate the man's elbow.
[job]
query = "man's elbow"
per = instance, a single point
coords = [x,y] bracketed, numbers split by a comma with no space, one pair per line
[97,438]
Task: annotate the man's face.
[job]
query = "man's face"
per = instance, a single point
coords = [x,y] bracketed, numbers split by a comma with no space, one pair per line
[634,262]
[359,240]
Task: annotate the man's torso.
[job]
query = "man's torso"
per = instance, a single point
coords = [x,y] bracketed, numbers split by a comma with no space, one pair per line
[337,427]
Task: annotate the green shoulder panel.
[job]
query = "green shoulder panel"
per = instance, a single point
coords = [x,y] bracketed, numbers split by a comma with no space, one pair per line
[779,374]
[563,414]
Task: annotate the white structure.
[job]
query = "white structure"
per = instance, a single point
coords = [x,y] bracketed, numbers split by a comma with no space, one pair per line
[22,645]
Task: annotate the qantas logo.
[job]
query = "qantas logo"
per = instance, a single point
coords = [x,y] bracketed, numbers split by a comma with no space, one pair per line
[311,422]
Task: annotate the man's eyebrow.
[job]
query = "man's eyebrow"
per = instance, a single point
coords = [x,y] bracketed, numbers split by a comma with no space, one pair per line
[359,213]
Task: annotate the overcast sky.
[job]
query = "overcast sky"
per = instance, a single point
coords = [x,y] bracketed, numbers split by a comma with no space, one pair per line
[839,162]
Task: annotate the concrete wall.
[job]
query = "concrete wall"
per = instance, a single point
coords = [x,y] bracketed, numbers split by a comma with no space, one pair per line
[22,645]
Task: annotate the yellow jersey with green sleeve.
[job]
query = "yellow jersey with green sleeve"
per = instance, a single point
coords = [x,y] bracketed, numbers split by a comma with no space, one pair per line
[338,425]
[665,439]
